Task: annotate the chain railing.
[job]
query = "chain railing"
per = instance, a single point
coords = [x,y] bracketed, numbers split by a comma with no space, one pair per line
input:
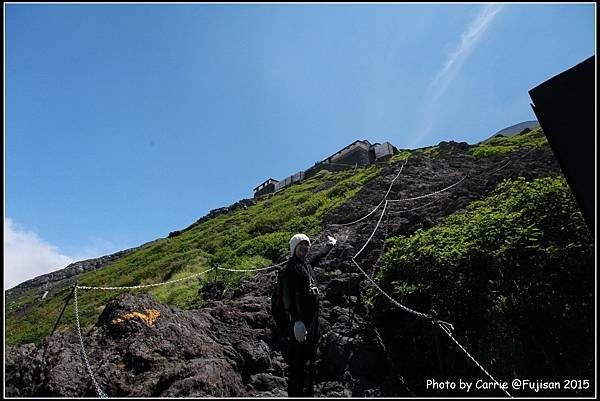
[444,326]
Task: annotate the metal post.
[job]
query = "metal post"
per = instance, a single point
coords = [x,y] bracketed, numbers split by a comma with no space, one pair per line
[64,307]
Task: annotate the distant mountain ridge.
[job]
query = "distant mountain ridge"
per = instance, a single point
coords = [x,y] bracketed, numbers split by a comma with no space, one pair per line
[51,283]
[517,128]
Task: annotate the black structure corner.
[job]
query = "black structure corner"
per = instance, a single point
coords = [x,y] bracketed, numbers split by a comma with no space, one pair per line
[565,106]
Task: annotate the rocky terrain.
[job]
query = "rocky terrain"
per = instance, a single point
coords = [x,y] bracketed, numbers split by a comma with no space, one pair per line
[140,347]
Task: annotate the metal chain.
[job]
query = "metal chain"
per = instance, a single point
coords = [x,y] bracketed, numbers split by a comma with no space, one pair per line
[380,203]
[506,163]
[395,212]
[431,194]
[445,330]
[373,282]
[146,285]
[392,300]
[385,236]
[359,220]
[423,196]
[374,231]
[499,168]
[253,270]
[101,394]
[395,178]
[441,324]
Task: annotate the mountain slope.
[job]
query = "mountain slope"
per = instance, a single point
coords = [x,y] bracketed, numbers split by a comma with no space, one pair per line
[246,237]
[227,333]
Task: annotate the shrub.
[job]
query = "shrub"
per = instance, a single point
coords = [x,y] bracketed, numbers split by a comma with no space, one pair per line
[514,272]
[500,144]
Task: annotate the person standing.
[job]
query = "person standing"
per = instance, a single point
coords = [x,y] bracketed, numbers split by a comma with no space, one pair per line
[301,303]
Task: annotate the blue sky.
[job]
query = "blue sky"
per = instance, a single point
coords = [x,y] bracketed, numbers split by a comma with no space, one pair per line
[126,122]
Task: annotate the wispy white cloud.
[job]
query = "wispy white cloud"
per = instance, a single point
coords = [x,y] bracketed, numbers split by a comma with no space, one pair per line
[469,40]
[26,255]
[455,60]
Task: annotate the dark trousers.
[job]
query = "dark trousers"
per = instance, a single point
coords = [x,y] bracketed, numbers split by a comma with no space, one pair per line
[300,358]
[301,369]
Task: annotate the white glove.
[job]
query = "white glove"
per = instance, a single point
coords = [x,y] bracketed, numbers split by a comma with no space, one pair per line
[332,240]
[299,331]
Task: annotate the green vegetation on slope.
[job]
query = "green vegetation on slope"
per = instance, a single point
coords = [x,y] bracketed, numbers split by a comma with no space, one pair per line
[400,157]
[502,144]
[253,237]
[514,273]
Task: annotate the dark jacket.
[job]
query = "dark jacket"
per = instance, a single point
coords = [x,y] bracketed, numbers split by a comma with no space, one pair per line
[300,302]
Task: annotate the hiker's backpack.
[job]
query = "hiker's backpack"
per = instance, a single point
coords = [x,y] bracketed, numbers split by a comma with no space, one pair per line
[277,307]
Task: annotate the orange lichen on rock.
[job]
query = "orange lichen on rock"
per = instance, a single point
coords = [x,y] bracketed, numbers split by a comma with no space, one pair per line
[148,318]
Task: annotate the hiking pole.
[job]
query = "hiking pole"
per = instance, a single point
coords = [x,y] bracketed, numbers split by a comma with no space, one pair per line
[64,307]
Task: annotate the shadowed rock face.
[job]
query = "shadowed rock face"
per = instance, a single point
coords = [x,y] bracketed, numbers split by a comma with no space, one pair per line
[143,348]
[223,350]
[177,354]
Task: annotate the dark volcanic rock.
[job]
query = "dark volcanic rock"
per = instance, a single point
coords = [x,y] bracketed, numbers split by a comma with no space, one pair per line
[143,348]
[212,290]
[138,347]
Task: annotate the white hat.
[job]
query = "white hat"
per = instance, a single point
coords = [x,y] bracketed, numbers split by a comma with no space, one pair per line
[296,239]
